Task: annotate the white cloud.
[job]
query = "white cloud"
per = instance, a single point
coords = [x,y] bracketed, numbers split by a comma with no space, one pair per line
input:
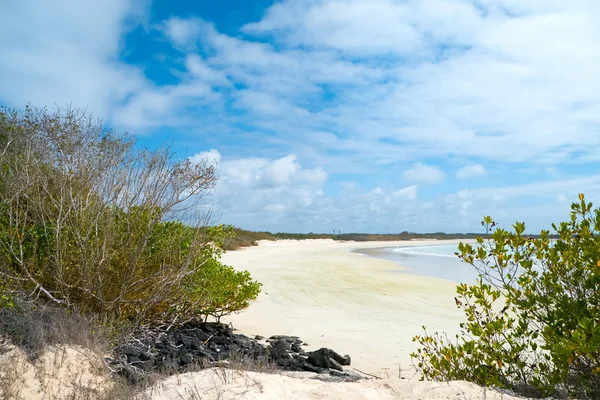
[352,87]
[65,52]
[494,79]
[282,194]
[471,170]
[377,26]
[211,157]
[261,190]
[409,192]
[183,32]
[423,173]
[561,198]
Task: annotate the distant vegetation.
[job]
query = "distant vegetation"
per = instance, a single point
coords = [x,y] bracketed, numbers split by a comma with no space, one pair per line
[533,319]
[244,238]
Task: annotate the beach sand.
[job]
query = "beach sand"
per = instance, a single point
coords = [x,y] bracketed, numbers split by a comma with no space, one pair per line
[330,296]
[320,291]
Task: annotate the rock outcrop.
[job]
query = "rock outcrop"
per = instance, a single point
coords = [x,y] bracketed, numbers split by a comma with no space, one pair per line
[206,344]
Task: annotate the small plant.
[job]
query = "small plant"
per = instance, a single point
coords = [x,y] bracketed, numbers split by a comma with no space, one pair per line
[533,317]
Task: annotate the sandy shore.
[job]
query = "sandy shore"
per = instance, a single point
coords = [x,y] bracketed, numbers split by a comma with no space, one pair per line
[318,290]
[332,297]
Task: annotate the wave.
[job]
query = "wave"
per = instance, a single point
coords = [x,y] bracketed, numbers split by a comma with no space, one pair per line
[411,250]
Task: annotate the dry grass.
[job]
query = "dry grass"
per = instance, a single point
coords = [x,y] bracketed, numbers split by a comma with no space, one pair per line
[51,354]
[33,327]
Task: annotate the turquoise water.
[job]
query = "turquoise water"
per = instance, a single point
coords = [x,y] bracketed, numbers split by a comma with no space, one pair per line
[437,261]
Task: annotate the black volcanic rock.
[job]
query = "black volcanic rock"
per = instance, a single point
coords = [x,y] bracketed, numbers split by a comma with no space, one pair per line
[201,344]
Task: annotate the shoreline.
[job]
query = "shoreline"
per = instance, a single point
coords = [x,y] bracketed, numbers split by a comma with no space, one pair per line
[332,296]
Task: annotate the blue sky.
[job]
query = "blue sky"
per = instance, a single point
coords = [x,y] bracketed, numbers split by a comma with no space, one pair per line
[376,116]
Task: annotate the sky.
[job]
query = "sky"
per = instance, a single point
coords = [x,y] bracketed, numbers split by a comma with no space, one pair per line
[374,116]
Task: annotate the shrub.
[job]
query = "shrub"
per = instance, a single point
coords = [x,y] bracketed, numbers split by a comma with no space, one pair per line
[533,318]
[89,220]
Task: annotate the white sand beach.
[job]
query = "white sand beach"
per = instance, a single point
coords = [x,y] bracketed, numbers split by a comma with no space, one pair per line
[329,296]
[332,297]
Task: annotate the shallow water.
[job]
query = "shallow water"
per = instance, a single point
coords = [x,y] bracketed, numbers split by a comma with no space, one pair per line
[437,261]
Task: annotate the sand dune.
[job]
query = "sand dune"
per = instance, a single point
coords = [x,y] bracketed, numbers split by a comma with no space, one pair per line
[230,385]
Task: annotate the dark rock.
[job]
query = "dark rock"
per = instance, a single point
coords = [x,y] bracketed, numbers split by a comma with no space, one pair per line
[206,354]
[185,340]
[172,349]
[290,339]
[345,376]
[296,348]
[202,336]
[210,329]
[347,360]
[335,365]
[187,358]
[134,360]
[310,368]
[327,358]
[148,365]
[195,343]
[258,337]
[129,351]
[222,340]
[202,344]
[278,350]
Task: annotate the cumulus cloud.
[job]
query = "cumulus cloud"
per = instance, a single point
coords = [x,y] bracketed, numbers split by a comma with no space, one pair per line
[471,170]
[64,52]
[352,89]
[211,157]
[182,32]
[423,173]
[409,192]
[262,190]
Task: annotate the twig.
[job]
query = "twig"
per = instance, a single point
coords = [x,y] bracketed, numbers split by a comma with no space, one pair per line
[210,337]
[364,373]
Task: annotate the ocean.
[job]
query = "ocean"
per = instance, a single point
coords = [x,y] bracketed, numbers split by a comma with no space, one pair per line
[437,261]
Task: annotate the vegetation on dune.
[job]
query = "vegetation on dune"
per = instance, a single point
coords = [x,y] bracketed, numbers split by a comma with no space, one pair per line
[245,238]
[533,318]
[91,222]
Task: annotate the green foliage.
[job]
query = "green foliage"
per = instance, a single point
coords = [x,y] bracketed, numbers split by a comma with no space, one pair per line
[221,290]
[7,299]
[533,318]
[90,222]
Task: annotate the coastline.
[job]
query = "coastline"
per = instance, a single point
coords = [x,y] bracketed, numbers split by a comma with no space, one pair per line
[332,296]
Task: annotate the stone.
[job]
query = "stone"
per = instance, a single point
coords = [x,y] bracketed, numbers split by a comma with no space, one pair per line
[279,350]
[221,340]
[296,348]
[130,351]
[290,339]
[187,358]
[134,360]
[203,343]
[172,349]
[148,365]
[327,358]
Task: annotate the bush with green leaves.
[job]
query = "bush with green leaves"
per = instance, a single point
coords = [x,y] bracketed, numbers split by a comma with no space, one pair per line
[533,318]
[89,220]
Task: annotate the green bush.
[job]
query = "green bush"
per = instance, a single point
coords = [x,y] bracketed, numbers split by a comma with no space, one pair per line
[88,220]
[533,318]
